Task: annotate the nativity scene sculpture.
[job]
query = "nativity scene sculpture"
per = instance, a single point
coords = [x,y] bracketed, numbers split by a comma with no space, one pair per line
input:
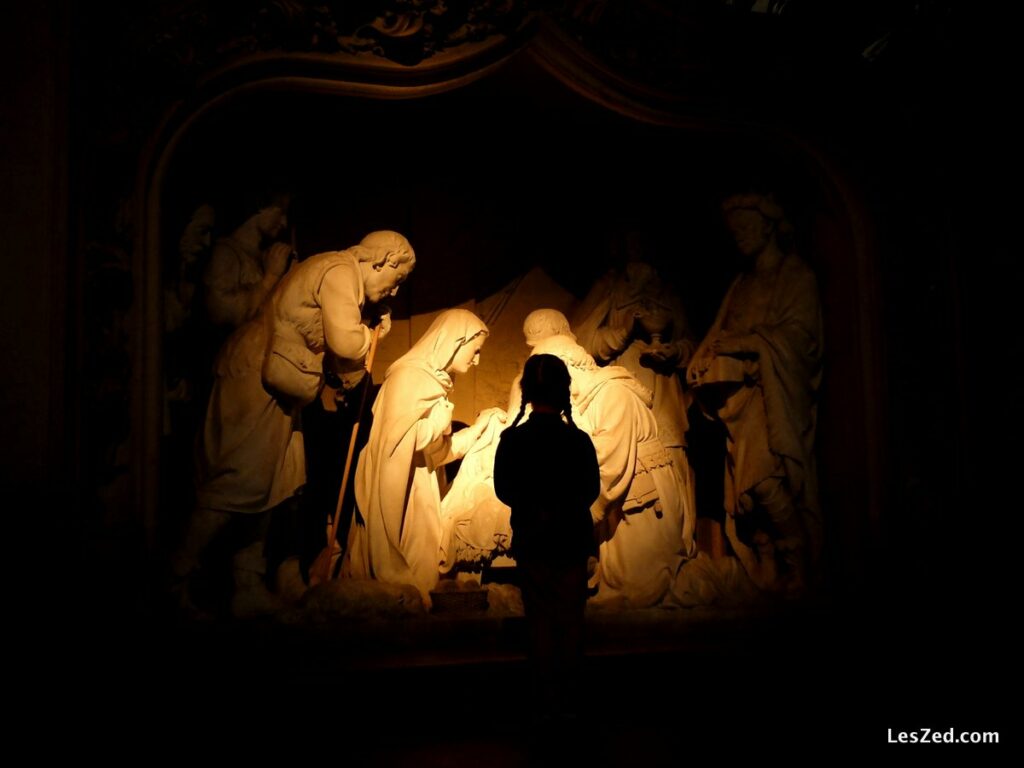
[250,452]
[640,517]
[396,534]
[641,526]
[633,318]
[757,372]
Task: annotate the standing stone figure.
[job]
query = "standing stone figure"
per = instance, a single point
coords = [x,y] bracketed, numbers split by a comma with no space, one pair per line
[183,334]
[250,456]
[758,371]
[246,265]
[193,245]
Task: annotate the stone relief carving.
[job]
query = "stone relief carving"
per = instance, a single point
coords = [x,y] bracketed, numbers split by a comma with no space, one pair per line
[408,31]
[758,371]
[638,559]
[250,456]
[475,524]
[633,318]
[396,534]
[311,27]
[644,518]
[246,265]
[181,324]
[202,34]
[640,520]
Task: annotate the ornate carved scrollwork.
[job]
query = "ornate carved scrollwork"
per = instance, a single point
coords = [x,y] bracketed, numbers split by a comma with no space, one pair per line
[202,35]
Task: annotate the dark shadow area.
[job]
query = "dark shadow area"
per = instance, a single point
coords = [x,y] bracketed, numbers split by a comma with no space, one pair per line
[805,681]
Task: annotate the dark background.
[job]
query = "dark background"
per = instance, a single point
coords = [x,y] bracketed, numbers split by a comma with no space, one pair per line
[916,630]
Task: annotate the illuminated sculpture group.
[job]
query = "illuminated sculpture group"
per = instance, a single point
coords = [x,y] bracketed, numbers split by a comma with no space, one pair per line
[250,455]
[632,318]
[640,515]
[396,536]
[757,372]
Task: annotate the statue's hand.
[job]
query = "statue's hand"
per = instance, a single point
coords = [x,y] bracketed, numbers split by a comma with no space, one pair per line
[385,324]
[485,416]
[618,338]
[493,412]
[276,259]
[652,321]
[657,351]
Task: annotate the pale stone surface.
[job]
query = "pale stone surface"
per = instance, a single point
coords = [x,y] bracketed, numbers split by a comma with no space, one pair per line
[475,524]
[246,265]
[633,318]
[543,323]
[361,599]
[251,456]
[504,314]
[464,396]
[396,533]
[504,600]
[486,385]
[720,581]
[639,514]
[758,371]
[646,528]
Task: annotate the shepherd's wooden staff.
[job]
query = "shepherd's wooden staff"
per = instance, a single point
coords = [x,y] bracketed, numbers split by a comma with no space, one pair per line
[322,565]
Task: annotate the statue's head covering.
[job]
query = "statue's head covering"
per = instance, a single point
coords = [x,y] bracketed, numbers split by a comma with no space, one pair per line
[543,323]
[436,348]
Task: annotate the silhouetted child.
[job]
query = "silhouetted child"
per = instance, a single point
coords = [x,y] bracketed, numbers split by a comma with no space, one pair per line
[546,470]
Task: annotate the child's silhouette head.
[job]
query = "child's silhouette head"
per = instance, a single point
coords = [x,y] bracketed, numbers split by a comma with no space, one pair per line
[546,385]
